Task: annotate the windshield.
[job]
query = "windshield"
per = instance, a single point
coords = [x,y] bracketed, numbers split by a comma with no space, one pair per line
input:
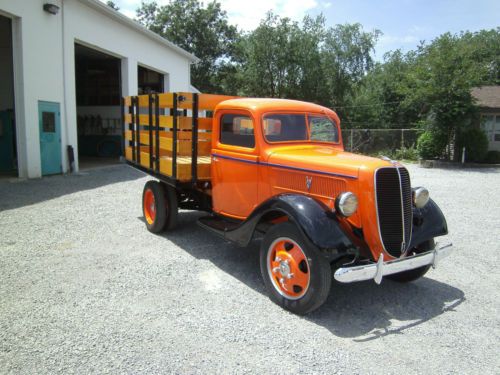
[299,127]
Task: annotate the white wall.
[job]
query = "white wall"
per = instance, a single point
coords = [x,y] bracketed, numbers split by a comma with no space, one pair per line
[93,29]
[37,72]
[42,42]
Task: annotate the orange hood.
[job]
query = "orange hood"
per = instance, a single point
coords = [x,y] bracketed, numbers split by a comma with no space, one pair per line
[323,159]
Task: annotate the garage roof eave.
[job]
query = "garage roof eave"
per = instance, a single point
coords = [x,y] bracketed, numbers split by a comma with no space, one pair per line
[108,11]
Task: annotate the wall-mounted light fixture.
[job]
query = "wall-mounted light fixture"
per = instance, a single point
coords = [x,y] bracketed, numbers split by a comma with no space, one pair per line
[51,8]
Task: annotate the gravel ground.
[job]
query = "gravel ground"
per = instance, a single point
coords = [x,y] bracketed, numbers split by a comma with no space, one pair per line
[84,288]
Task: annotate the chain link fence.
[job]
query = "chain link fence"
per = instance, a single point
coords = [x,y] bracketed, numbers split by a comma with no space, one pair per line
[380,141]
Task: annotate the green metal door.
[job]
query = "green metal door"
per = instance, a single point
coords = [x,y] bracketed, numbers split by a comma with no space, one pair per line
[49,118]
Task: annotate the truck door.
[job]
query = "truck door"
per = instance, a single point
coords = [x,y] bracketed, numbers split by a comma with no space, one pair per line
[235,165]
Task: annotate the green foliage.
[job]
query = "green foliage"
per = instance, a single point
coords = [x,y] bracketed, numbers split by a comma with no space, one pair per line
[431,145]
[475,143]
[406,153]
[430,85]
[201,30]
[428,88]
[492,157]
[307,61]
[111,4]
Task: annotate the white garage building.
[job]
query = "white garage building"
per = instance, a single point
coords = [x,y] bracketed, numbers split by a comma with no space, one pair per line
[64,66]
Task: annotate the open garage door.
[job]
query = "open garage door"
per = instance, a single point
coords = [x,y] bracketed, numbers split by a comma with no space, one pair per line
[98,93]
[8,149]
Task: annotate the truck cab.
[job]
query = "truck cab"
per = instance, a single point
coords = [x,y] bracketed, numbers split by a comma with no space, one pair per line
[278,170]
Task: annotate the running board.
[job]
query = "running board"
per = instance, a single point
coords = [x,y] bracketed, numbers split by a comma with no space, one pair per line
[237,232]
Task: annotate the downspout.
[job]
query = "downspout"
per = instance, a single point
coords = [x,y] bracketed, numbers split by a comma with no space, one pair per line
[65,106]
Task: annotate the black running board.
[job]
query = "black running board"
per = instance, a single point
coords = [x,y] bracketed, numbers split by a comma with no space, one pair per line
[237,232]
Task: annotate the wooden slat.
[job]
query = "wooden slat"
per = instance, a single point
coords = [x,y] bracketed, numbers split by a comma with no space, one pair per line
[183,164]
[208,101]
[181,135]
[166,143]
[184,168]
[187,103]
[166,100]
[184,123]
[143,100]
[184,147]
[165,121]
[205,123]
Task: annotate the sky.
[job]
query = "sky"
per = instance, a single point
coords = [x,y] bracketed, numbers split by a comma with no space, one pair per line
[404,23]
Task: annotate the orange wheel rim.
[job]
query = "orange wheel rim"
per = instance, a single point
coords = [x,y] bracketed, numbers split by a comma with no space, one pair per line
[149,206]
[288,268]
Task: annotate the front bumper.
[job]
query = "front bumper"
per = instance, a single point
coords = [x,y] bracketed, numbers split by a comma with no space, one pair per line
[377,270]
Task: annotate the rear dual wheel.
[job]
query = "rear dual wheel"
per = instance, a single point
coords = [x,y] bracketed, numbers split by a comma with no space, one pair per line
[296,276]
[159,206]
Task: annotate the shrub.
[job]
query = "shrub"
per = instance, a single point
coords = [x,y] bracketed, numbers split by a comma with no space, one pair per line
[430,145]
[406,153]
[475,142]
[492,157]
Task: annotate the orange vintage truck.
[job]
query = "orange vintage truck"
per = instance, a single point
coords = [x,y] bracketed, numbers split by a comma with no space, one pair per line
[277,168]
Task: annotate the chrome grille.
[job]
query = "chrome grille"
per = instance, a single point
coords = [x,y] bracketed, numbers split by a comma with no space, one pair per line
[393,193]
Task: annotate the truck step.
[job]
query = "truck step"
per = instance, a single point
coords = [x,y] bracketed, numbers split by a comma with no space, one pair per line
[217,224]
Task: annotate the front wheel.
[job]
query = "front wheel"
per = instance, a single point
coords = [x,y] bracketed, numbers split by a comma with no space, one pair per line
[296,276]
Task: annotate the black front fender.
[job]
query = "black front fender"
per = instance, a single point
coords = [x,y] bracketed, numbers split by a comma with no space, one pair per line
[313,218]
[428,222]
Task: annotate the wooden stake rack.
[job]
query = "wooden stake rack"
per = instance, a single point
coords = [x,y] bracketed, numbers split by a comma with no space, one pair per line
[169,135]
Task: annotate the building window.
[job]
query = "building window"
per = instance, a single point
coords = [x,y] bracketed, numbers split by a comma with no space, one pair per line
[491,127]
[149,81]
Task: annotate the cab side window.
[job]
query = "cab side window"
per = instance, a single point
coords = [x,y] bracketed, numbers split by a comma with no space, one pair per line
[237,130]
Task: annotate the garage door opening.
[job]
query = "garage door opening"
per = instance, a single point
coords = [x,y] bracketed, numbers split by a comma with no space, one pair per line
[98,93]
[8,147]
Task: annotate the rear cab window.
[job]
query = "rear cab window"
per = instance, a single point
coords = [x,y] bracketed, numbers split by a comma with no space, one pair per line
[237,130]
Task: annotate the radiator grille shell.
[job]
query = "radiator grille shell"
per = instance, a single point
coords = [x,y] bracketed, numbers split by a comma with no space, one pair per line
[394,209]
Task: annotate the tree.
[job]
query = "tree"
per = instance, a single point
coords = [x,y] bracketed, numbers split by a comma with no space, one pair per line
[430,87]
[203,31]
[307,61]
[112,5]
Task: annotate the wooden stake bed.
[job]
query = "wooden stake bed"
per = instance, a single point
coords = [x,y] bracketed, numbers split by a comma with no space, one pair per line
[170,135]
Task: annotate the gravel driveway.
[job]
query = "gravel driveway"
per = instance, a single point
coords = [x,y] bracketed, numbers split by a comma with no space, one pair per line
[85,288]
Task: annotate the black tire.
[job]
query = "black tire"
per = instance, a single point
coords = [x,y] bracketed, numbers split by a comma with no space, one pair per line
[316,266]
[417,273]
[153,203]
[171,207]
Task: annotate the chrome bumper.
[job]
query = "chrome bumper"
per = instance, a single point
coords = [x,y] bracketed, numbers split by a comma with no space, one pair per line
[377,270]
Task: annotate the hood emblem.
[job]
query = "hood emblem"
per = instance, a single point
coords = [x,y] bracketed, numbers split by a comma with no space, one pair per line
[309,181]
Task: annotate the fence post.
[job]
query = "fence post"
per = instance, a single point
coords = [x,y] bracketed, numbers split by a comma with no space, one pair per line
[402,139]
[352,136]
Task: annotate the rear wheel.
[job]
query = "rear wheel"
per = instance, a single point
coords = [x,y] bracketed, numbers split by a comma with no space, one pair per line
[159,206]
[296,276]
[417,273]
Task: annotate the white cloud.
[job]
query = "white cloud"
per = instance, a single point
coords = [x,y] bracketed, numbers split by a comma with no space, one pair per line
[245,14]
[398,39]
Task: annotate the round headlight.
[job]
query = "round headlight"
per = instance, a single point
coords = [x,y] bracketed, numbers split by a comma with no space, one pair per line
[346,204]
[420,197]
